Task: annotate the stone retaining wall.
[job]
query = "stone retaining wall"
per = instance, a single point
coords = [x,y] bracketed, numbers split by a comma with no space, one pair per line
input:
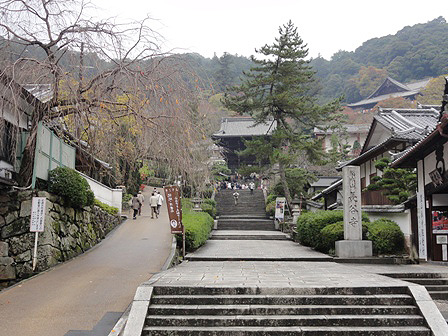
[68,233]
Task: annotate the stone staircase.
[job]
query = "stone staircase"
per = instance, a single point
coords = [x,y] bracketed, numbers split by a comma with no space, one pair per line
[435,283]
[249,214]
[283,311]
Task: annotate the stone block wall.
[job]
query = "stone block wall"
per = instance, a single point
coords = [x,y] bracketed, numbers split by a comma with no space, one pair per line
[68,233]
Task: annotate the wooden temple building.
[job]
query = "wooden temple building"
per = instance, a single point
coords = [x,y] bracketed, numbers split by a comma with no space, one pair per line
[390,88]
[232,134]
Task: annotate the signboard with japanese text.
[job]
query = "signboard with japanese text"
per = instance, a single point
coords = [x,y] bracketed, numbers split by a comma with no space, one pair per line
[280,208]
[38,207]
[173,203]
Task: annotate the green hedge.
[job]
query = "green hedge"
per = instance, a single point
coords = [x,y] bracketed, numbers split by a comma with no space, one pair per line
[197,228]
[209,201]
[209,208]
[186,203]
[270,198]
[386,237]
[309,226]
[322,229]
[331,233]
[71,186]
[109,209]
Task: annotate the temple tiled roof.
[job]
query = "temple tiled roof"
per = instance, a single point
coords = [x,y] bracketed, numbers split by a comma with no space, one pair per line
[243,127]
[391,88]
[405,125]
[413,124]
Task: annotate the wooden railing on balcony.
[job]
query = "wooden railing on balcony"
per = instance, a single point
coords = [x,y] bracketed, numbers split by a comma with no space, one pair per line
[374,197]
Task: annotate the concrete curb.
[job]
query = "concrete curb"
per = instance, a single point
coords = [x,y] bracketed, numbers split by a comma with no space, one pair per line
[429,310]
[171,257]
[139,309]
[119,327]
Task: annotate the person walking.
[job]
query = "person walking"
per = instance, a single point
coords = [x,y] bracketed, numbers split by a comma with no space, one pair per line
[252,187]
[153,200]
[136,205]
[141,198]
[235,197]
[159,202]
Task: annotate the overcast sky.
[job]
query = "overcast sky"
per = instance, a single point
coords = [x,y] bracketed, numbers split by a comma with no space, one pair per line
[240,26]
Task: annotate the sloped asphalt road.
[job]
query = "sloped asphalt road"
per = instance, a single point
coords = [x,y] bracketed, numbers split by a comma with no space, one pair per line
[90,292]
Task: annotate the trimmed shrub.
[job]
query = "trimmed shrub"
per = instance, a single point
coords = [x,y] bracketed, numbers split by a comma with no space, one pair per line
[109,209]
[331,233]
[197,229]
[208,208]
[386,236]
[186,204]
[71,186]
[209,201]
[270,208]
[309,225]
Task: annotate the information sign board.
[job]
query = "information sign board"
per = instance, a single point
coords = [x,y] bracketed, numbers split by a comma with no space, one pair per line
[38,207]
[280,208]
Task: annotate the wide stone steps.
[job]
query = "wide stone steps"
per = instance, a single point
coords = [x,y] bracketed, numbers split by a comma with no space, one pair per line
[283,311]
[247,235]
[284,320]
[280,309]
[435,283]
[246,224]
[394,299]
[248,204]
[287,331]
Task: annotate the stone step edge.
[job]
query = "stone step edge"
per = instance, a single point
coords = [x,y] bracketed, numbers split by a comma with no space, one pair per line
[248,307]
[256,290]
[298,329]
[269,296]
[223,258]
[286,317]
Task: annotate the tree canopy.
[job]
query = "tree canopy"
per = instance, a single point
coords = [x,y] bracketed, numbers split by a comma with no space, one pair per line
[279,89]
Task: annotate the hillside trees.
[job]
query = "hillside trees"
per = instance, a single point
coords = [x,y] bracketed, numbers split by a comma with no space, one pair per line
[279,89]
[431,93]
[413,53]
[106,79]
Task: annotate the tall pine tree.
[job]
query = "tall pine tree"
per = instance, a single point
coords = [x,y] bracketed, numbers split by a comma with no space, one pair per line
[280,89]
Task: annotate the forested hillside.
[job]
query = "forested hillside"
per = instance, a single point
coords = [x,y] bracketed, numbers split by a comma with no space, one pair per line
[413,53]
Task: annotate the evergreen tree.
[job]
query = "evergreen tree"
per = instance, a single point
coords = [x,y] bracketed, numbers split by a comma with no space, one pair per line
[279,89]
[223,76]
[397,184]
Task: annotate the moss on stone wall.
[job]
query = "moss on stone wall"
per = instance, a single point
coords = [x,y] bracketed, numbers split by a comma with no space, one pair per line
[68,232]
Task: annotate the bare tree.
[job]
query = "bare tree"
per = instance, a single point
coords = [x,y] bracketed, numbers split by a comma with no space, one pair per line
[103,76]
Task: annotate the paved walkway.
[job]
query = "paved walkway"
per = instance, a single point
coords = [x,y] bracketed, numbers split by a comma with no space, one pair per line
[251,250]
[86,295]
[230,264]
[252,263]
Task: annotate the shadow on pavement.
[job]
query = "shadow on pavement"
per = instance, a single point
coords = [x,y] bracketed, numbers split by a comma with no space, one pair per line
[102,328]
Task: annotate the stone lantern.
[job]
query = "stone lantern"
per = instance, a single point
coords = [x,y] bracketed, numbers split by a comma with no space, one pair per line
[197,203]
[296,208]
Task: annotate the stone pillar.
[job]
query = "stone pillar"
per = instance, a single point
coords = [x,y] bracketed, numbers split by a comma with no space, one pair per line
[352,246]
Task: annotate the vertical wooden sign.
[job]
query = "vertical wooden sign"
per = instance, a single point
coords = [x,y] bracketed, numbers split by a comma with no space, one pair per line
[173,203]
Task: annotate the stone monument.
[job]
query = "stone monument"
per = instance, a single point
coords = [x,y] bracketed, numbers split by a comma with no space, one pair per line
[352,246]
